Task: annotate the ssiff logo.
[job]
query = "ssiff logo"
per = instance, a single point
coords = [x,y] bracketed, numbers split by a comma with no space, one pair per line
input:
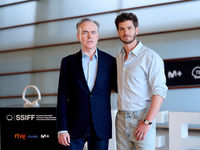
[22,117]
[196,72]
[25,117]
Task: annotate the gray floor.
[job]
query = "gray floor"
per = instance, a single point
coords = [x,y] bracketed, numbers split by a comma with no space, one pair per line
[161,131]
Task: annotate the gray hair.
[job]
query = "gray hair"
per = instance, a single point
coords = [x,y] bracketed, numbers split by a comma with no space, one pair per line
[86,20]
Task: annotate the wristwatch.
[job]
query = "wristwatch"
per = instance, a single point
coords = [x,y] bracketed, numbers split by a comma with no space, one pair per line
[147,122]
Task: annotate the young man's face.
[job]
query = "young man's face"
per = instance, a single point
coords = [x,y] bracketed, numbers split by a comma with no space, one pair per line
[127,32]
[88,35]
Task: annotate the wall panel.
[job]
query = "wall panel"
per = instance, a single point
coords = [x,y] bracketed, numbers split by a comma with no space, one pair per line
[15,84]
[16,61]
[50,57]
[174,45]
[134,3]
[53,9]
[18,14]
[168,17]
[10,102]
[4,2]
[47,82]
[56,32]
[17,37]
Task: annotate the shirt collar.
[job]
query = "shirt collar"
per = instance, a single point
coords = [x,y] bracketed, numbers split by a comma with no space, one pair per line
[136,50]
[95,55]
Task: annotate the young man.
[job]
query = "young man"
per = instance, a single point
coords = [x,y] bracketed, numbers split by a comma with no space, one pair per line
[86,80]
[141,88]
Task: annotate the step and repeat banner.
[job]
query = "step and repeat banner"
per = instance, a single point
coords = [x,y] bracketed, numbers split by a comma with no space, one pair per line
[28,128]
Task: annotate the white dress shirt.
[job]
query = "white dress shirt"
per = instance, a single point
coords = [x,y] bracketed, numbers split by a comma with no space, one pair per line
[139,78]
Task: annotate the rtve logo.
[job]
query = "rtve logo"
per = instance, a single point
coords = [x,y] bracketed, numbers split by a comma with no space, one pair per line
[20,136]
[21,117]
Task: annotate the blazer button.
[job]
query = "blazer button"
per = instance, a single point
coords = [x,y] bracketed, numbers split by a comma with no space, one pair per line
[89,109]
[90,95]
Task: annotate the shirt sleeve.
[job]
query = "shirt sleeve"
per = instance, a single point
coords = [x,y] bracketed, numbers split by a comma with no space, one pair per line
[59,132]
[157,79]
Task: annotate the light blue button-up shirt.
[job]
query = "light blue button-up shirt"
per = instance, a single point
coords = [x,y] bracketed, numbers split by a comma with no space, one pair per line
[90,69]
[139,78]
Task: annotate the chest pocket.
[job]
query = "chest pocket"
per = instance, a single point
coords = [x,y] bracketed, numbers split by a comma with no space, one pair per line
[136,75]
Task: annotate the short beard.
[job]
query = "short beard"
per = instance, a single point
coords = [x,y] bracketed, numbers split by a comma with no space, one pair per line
[129,42]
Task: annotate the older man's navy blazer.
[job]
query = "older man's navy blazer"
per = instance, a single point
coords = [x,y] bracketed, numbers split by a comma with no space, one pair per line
[76,105]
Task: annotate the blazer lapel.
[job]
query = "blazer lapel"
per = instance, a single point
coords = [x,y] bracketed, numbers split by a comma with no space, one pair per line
[77,64]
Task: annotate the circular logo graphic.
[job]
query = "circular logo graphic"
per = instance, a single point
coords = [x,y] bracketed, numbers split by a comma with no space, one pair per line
[196,72]
[9,117]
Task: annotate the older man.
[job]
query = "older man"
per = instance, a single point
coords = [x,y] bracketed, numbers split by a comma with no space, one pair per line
[86,80]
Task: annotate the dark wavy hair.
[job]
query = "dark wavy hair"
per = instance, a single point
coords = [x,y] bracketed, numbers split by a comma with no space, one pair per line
[126,16]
